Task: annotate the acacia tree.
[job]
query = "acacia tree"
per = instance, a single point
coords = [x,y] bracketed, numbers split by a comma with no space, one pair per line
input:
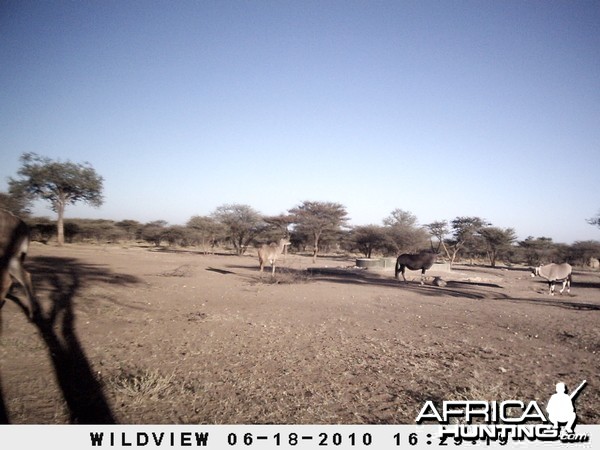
[279,224]
[242,224]
[404,232]
[465,231]
[314,219]
[538,250]
[207,231]
[439,230]
[153,232]
[131,228]
[498,241]
[465,234]
[368,238]
[60,183]
[583,251]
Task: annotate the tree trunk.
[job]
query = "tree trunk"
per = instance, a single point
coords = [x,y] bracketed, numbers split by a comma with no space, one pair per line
[493,258]
[450,258]
[60,223]
[455,250]
[316,248]
[237,244]
[453,259]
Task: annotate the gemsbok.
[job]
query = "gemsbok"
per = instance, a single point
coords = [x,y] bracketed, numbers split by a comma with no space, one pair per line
[420,261]
[553,273]
[270,252]
[14,243]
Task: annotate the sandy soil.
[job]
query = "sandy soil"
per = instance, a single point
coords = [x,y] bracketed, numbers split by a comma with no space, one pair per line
[135,335]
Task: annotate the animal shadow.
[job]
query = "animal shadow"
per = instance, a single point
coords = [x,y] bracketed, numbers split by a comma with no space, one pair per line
[63,278]
[220,271]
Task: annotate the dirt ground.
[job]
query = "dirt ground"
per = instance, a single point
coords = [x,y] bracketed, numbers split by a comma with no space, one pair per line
[133,335]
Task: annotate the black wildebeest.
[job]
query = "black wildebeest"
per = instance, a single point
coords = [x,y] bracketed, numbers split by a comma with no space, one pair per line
[553,273]
[420,261]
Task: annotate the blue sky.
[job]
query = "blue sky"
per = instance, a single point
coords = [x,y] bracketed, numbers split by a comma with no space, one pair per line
[440,108]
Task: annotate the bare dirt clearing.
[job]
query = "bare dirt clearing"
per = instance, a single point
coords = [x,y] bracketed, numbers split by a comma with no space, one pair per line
[132,335]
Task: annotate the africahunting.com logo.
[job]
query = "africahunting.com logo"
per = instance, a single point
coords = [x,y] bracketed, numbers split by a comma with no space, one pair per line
[473,420]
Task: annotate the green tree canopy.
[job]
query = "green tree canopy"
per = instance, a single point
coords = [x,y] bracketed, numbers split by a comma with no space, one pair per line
[498,241]
[207,231]
[317,218]
[242,224]
[539,250]
[60,183]
[439,230]
[404,233]
[465,234]
[369,238]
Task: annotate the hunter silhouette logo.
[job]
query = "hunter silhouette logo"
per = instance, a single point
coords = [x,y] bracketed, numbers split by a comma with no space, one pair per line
[473,420]
[560,406]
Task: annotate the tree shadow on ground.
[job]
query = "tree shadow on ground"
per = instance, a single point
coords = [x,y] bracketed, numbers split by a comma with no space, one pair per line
[220,271]
[359,277]
[286,275]
[63,278]
[363,277]
[457,289]
[154,249]
[564,301]
[582,284]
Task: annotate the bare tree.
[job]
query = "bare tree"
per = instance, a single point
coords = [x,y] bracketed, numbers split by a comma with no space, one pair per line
[60,183]
[316,218]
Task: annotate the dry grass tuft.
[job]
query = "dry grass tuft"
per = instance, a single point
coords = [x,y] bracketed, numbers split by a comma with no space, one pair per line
[285,276]
[181,271]
[138,383]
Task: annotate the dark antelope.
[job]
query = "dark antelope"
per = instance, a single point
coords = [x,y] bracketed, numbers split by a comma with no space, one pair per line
[553,273]
[14,243]
[270,252]
[420,261]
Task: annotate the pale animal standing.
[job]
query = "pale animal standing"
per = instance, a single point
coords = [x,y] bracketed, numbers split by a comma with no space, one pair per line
[14,244]
[553,273]
[270,252]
